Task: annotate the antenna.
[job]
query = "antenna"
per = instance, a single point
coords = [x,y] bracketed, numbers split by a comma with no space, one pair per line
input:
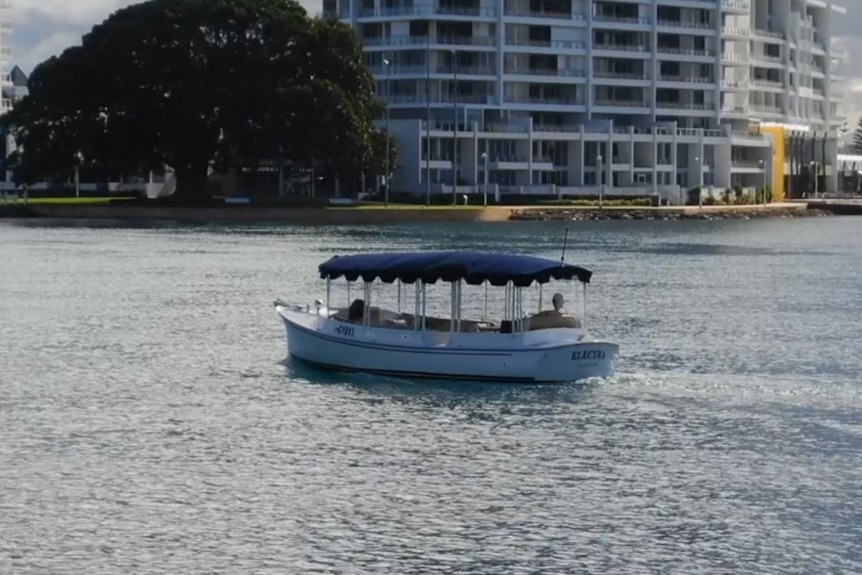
[565,240]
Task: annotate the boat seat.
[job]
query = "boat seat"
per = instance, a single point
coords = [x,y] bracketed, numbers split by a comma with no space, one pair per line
[550,319]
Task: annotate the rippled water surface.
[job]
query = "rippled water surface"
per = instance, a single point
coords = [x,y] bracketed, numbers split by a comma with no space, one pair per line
[149,423]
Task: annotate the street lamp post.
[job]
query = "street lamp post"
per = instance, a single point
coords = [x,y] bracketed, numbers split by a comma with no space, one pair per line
[428,117]
[386,141]
[816,171]
[762,165]
[485,187]
[601,180]
[454,128]
[78,159]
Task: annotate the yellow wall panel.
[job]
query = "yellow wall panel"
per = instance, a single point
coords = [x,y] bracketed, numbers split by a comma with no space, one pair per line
[777,180]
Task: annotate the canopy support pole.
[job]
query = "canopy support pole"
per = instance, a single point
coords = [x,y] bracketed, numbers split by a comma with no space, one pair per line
[416,309]
[424,305]
[399,296]
[506,316]
[328,290]
[458,287]
[520,304]
[514,308]
[366,317]
[584,323]
[453,307]
[485,313]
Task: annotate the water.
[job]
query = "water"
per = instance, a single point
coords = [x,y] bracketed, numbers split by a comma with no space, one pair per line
[149,424]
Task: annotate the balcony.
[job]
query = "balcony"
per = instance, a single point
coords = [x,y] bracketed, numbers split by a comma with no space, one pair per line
[736,5]
[735,31]
[739,84]
[684,24]
[420,99]
[540,15]
[770,34]
[817,48]
[735,57]
[424,40]
[554,44]
[421,70]
[734,110]
[611,75]
[687,79]
[768,84]
[556,129]
[685,52]
[606,19]
[621,103]
[762,109]
[620,48]
[767,59]
[561,101]
[685,106]
[427,11]
[556,72]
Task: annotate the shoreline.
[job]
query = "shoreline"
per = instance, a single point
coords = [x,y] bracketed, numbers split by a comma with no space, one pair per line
[369,215]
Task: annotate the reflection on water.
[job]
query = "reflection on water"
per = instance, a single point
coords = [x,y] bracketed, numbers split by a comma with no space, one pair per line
[151,423]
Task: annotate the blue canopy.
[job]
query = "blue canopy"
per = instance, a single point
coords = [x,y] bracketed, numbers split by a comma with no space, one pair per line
[474,268]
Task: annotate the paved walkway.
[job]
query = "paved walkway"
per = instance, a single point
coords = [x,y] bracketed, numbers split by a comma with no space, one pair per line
[714,208]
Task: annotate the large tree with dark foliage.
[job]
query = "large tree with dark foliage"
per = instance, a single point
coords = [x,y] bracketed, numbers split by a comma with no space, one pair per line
[192,83]
[856,144]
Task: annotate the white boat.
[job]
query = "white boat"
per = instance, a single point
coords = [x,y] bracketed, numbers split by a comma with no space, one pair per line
[548,346]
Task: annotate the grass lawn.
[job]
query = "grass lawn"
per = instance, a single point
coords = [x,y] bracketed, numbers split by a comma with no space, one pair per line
[64,201]
[392,206]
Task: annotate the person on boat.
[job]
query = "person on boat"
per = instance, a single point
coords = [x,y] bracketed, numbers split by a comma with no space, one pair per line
[557,301]
[555,317]
[356,311]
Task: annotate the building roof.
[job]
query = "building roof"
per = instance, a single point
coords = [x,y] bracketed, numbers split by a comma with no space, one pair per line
[19,78]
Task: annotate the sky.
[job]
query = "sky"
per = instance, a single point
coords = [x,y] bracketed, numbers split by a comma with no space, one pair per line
[44,28]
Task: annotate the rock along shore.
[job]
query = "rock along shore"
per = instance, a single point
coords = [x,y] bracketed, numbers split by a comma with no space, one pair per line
[382,216]
[710,213]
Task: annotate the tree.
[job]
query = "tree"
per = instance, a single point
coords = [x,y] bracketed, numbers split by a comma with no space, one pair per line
[856,145]
[192,83]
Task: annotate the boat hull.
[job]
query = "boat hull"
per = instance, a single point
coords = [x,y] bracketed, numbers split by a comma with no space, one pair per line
[553,355]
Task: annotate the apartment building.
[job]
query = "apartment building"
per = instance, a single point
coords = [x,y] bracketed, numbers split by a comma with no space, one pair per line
[5,53]
[626,95]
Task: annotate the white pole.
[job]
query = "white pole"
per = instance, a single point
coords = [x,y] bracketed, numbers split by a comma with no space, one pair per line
[601,180]
[77,182]
[485,313]
[485,187]
[366,320]
[424,304]
[454,129]
[388,93]
[416,308]
[584,323]
[816,178]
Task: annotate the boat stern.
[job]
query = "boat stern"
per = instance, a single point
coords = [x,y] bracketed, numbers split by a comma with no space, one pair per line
[583,360]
